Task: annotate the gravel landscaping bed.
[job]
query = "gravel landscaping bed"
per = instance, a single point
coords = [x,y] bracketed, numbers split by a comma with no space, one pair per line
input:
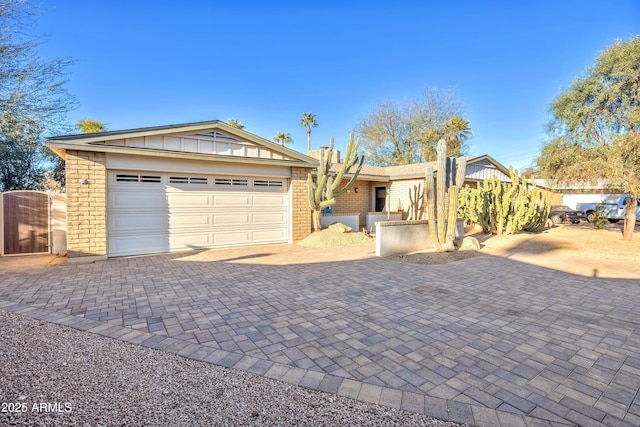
[55,375]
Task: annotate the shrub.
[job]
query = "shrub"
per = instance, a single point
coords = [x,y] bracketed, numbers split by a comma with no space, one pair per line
[599,218]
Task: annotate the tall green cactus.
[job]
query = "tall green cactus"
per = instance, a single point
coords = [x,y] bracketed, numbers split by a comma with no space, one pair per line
[442,218]
[505,208]
[323,192]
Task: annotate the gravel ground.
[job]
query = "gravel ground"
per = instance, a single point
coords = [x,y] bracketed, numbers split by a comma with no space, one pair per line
[93,380]
[329,238]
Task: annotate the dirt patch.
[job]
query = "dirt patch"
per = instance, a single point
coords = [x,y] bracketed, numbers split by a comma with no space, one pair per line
[581,241]
[329,238]
[432,258]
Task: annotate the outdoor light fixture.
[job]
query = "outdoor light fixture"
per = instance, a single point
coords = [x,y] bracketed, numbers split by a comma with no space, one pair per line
[84,181]
[355,189]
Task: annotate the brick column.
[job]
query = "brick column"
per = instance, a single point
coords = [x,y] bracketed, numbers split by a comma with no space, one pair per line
[86,205]
[300,210]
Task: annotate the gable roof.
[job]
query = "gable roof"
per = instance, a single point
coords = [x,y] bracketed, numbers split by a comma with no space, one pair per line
[417,170]
[212,140]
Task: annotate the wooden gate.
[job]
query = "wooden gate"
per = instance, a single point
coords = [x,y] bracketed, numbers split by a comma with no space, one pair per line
[25,218]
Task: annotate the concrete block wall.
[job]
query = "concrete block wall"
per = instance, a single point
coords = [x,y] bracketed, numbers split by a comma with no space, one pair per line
[86,204]
[300,209]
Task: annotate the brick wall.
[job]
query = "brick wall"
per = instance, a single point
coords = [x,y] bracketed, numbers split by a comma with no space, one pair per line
[86,204]
[352,202]
[300,209]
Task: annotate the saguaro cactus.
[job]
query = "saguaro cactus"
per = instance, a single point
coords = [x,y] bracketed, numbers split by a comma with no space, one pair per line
[323,192]
[449,179]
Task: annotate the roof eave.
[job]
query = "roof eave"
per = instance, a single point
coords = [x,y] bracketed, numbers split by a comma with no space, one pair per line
[56,146]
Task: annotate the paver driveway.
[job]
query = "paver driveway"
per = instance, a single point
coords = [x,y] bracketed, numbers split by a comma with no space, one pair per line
[487,341]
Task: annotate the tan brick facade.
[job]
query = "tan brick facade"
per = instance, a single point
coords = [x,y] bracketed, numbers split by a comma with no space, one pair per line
[354,202]
[300,209]
[86,204]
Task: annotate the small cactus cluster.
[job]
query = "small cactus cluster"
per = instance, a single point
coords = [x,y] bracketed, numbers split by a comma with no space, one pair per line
[322,193]
[503,207]
[416,202]
[442,199]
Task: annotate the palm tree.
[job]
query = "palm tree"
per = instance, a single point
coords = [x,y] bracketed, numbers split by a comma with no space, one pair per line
[236,124]
[456,133]
[308,121]
[283,138]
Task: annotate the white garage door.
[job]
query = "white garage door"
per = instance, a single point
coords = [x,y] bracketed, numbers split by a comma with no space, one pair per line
[152,212]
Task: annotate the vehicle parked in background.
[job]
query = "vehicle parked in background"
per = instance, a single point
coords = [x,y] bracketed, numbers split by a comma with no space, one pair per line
[613,211]
[560,213]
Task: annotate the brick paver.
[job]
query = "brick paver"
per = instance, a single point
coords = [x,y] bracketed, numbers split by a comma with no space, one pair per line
[483,341]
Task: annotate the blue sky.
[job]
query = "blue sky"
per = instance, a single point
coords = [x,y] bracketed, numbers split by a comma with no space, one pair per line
[143,63]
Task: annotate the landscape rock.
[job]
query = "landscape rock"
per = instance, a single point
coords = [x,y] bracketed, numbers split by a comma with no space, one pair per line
[470,242]
[340,227]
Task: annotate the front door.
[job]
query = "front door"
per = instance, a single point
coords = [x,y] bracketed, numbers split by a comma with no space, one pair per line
[381,198]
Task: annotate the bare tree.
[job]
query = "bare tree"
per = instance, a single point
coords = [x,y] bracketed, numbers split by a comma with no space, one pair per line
[396,133]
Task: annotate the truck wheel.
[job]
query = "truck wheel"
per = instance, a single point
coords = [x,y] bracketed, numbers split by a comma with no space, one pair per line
[589,216]
[613,221]
[556,219]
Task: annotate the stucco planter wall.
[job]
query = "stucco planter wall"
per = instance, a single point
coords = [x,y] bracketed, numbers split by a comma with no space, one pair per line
[373,217]
[349,219]
[397,237]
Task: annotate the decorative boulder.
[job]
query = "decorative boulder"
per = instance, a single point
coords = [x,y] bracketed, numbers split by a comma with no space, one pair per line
[470,243]
[340,228]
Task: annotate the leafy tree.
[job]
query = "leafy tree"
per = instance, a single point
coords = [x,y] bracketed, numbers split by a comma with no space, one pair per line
[33,97]
[308,121]
[595,128]
[530,172]
[91,126]
[235,124]
[402,133]
[20,167]
[283,138]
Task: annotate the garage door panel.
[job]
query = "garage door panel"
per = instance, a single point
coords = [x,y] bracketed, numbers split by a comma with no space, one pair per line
[137,245]
[269,218]
[127,222]
[191,241]
[188,199]
[151,218]
[228,200]
[231,219]
[136,199]
[189,221]
[232,238]
[269,200]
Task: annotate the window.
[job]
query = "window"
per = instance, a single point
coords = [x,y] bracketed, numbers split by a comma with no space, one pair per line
[138,178]
[230,181]
[187,180]
[266,183]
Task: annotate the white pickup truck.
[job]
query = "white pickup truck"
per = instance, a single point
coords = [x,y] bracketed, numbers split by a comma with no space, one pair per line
[614,211]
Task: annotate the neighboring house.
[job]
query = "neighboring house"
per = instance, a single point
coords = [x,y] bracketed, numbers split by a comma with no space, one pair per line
[208,185]
[176,187]
[369,193]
